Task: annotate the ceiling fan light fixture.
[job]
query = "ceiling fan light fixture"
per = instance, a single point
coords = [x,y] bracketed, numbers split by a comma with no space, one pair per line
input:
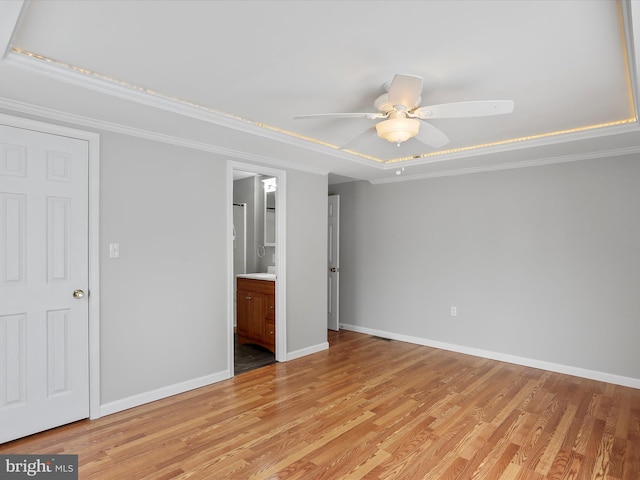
[398,130]
[400,106]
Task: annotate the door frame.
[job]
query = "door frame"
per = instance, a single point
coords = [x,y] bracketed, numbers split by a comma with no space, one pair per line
[244,234]
[335,300]
[93,140]
[281,256]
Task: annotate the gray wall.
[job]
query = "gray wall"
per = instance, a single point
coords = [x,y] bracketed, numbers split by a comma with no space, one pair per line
[542,263]
[306,260]
[164,301]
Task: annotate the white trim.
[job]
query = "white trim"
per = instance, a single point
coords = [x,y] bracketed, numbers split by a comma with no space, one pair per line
[502,357]
[57,115]
[512,165]
[272,162]
[520,145]
[160,393]
[94,276]
[303,352]
[280,250]
[93,139]
[334,303]
[114,87]
[231,281]
[281,268]
[263,160]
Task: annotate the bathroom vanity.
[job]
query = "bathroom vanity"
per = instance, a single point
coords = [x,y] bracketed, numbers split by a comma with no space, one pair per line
[255,309]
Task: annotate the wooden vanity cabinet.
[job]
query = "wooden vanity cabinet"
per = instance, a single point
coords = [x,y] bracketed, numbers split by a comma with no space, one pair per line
[255,312]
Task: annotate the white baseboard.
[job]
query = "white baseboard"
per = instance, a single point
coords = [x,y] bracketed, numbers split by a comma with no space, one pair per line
[164,392]
[307,351]
[503,357]
[168,391]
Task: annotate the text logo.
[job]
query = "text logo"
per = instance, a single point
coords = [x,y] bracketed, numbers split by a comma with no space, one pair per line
[49,467]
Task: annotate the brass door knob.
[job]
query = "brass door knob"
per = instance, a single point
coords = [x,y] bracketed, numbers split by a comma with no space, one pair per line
[78,293]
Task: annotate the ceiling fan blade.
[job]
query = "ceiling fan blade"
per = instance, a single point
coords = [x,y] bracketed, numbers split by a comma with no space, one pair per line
[431,135]
[370,116]
[479,108]
[369,132]
[405,90]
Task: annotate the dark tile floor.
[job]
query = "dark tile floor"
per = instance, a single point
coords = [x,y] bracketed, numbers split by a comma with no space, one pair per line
[249,357]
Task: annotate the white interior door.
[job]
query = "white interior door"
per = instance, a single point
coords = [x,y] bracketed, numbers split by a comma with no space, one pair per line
[44,363]
[333,256]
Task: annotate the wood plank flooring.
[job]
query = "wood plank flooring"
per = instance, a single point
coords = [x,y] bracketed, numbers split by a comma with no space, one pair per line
[367,409]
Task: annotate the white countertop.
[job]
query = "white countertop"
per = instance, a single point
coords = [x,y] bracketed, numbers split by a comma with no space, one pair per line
[258,276]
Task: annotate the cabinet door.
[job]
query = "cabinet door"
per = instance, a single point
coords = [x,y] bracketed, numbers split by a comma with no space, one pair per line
[243,307]
[255,319]
[270,335]
[271,307]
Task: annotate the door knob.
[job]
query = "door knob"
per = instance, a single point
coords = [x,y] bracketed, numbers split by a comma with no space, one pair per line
[333,269]
[78,293]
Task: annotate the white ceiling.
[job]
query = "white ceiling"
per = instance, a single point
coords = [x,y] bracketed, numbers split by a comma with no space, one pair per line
[229,76]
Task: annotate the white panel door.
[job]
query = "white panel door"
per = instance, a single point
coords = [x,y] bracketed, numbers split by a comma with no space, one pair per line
[333,256]
[44,363]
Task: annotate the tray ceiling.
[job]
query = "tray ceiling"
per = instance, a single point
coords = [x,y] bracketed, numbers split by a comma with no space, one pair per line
[230,76]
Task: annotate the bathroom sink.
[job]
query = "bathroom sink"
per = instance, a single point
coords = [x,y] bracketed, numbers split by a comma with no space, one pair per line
[258,276]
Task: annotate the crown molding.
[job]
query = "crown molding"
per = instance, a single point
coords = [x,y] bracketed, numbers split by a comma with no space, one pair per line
[524,144]
[511,165]
[58,116]
[115,88]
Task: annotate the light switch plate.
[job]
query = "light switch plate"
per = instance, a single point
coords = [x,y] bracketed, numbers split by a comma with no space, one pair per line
[114,250]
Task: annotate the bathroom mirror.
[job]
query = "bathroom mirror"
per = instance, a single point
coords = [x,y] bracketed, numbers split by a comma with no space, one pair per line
[270,214]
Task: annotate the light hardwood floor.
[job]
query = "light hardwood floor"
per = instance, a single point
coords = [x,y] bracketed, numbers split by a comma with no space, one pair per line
[367,408]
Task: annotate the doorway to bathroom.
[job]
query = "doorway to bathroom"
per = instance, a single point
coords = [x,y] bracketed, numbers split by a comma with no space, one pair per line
[257,337]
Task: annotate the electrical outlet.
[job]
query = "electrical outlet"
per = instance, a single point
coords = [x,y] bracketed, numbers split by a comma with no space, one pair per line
[454,311]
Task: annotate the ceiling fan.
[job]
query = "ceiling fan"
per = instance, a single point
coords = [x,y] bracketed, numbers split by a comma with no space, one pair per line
[404,117]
